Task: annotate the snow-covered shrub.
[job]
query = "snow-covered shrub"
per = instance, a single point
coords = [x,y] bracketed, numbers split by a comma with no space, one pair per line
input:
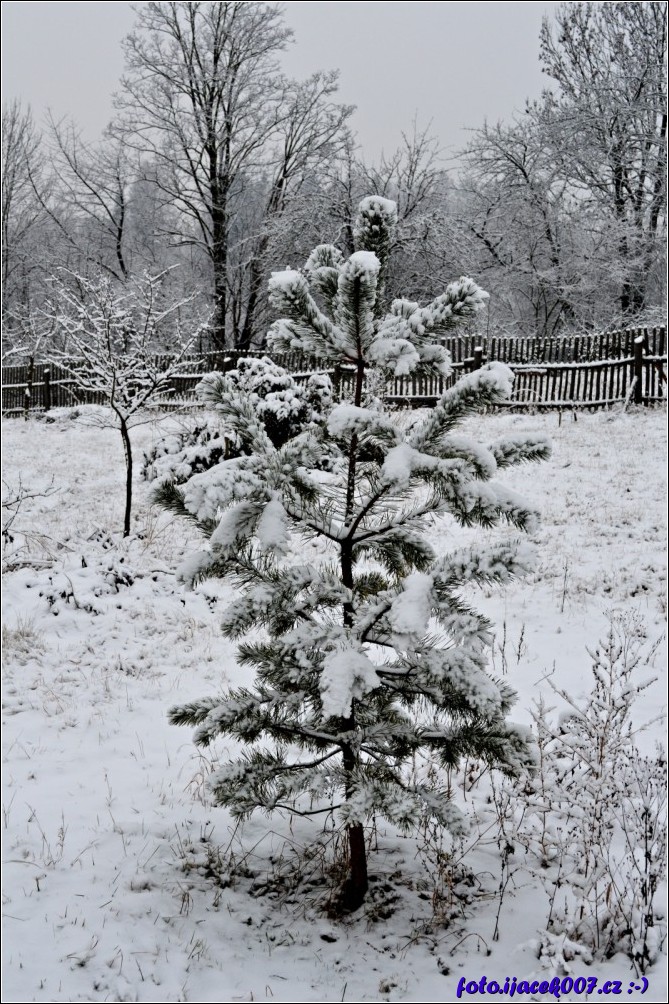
[279,403]
[595,811]
[21,544]
[319,395]
[82,585]
[187,451]
[370,655]
[87,414]
[284,406]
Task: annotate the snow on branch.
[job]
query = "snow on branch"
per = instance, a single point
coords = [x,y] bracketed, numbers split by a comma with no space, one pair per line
[110,333]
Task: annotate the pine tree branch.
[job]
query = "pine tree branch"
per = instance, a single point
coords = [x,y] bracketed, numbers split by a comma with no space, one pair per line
[307,812]
[404,521]
[319,528]
[376,616]
[369,505]
[287,768]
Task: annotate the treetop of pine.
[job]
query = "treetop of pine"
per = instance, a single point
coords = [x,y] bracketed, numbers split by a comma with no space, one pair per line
[335,307]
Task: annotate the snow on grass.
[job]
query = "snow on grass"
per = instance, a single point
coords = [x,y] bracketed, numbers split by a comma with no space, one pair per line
[122,882]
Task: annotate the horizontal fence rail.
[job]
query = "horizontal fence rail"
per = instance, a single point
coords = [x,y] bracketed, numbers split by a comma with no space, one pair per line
[590,371]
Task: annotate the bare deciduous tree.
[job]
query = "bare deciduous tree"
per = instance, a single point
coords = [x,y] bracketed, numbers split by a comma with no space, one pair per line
[21,212]
[517,208]
[312,133]
[204,99]
[609,123]
[90,198]
[567,205]
[111,333]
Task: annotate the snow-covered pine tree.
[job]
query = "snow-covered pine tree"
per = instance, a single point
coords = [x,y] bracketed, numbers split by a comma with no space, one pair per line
[373,655]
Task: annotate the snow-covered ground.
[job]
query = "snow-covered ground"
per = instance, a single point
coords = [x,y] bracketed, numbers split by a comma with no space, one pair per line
[123,883]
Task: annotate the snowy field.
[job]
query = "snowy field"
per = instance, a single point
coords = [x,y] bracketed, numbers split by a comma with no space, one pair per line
[122,883]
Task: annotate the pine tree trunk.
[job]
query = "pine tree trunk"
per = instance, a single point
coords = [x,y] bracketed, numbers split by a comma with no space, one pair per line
[354,889]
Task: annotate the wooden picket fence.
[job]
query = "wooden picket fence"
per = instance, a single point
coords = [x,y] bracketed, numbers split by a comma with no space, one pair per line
[42,386]
[588,371]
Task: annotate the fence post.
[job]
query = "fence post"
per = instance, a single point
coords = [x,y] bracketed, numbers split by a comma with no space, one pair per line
[638,369]
[29,389]
[26,403]
[336,382]
[478,357]
[47,390]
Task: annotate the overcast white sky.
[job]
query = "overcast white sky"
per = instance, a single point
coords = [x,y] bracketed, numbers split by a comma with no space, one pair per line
[449,64]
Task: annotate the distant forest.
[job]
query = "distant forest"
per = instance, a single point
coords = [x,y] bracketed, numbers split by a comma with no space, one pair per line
[218,169]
